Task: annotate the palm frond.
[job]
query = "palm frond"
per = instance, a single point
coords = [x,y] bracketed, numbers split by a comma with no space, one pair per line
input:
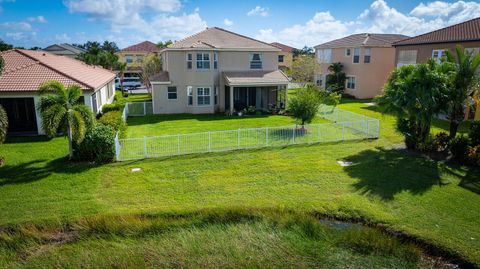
[52,87]
[3,124]
[52,117]
[86,114]
[460,54]
[77,125]
[74,93]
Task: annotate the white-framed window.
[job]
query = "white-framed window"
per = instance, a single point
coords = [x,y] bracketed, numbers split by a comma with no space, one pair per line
[281,58]
[438,54]
[215,95]
[348,52]
[319,80]
[190,95]
[255,61]
[189,60]
[129,59]
[356,55]
[140,58]
[324,56]
[203,96]
[367,56]
[110,90]
[406,57]
[351,82]
[172,93]
[215,60]
[203,60]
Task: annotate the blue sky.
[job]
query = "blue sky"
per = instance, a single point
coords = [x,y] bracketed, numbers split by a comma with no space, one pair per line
[43,22]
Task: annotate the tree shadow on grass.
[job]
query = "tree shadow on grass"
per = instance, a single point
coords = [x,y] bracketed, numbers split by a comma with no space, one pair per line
[471,180]
[35,170]
[384,173]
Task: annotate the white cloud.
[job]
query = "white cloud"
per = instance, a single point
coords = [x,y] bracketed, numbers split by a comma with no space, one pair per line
[227,22]
[16,36]
[258,11]
[378,18]
[136,16]
[18,26]
[39,19]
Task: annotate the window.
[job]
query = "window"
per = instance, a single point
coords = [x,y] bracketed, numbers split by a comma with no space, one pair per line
[203,96]
[189,60]
[203,61]
[129,59]
[215,60]
[348,52]
[172,93]
[367,56]
[351,83]
[140,58]
[215,95]
[255,61]
[406,57]
[319,80]
[110,89]
[190,95]
[438,54]
[324,56]
[280,58]
[473,50]
[356,55]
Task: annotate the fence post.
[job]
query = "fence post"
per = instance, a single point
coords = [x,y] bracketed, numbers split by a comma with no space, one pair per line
[293,132]
[238,139]
[144,108]
[117,147]
[209,142]
[178,144]
[266,135]
[145,154]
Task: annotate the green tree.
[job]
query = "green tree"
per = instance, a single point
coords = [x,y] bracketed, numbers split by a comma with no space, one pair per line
[61,110]
[305,103]
[463,84]
[303,69]
[165,44]
[414,94]
[4,46]
[110,46]
[336,80]
[306,51]
[151,65]
[120,67]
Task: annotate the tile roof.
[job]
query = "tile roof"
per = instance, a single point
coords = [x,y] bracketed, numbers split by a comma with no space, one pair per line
[162,76]
[145,46]
[363,40]
[218,38]
[465,31]
[238,78]
[27,70]
[283,47]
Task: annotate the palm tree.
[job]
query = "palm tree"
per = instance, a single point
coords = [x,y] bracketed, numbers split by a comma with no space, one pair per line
[61,110]
[121,67]
[462,86]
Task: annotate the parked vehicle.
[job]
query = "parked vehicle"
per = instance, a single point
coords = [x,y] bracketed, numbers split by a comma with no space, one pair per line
[128,82]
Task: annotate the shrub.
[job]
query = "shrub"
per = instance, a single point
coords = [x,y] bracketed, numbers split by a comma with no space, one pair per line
[98,145]
[459,148]
[429,145]
[125,94]
[474,134]
[110,107]
[441,141]
[114,120]
[474,155]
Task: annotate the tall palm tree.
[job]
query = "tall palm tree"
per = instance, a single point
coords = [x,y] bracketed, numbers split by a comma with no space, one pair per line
[463,85]
[61,110]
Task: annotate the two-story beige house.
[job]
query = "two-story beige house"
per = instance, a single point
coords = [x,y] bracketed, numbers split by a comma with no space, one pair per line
[217,70]
[134,55]
[367,61]
[285,56]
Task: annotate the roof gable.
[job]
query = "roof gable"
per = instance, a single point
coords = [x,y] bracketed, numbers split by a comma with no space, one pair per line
[465,31]
[145,46]
[26,70]
[218,38]
[283,47]
[363,40]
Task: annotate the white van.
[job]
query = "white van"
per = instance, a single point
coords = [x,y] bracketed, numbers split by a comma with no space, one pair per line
[128,82]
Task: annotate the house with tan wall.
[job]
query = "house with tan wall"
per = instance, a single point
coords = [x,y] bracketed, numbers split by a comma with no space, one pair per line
[215,71]
[285,56]
[434,45]
[135,54]
[367,61]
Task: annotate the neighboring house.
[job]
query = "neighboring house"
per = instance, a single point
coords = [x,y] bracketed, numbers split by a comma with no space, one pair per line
[217,70]
[134,56]
[26,70]
[285,56]
[367,61]
[64,50]
[434,44]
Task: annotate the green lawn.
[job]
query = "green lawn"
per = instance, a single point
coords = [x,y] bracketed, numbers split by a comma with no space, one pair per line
[436,202]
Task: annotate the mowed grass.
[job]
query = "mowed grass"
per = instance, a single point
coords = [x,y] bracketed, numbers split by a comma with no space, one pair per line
[158,125]
[436,202]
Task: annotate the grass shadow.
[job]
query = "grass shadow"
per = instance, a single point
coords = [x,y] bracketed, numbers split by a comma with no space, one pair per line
[471,181]
[36,170]
[386,172]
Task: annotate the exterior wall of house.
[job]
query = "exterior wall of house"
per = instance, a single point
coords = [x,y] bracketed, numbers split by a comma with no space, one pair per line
[424,51]
[287,60]
[137,57]
[369,77]
[181,77]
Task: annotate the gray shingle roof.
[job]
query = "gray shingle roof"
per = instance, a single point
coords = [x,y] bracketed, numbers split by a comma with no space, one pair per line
[363,40]
[218,38]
